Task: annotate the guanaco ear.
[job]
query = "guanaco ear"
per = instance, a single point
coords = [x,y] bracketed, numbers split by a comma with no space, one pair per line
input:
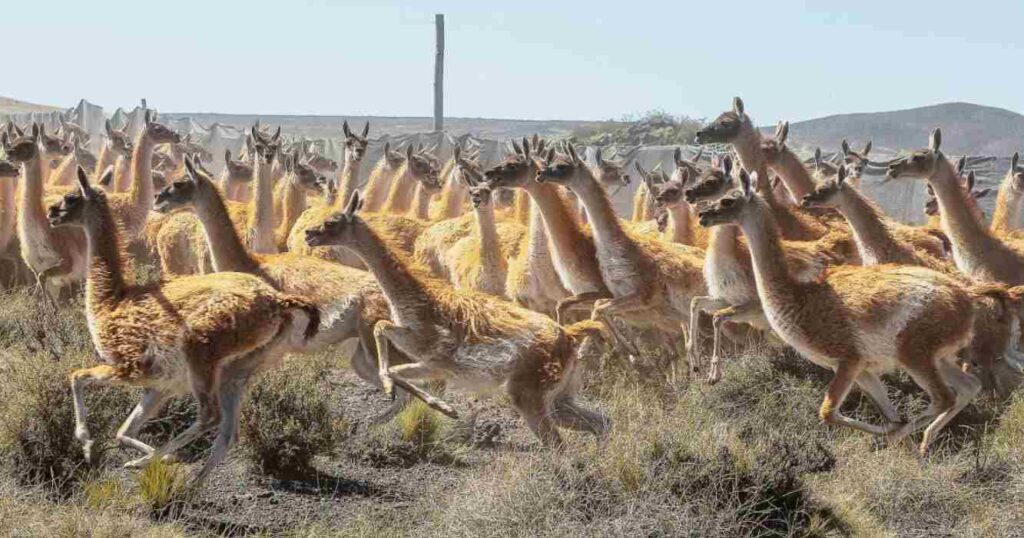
[737,106]
[83,184]
[277,134]
[147,117]
[783,133]
[846,147]
[190,169]
[841,175]
[572,154]
[526,148]
[677,156]
[931,191]
[5,142]
[550,156]
[745,181]
[1013,161]
[354,203]
[408,153]
[108,176]
[227,156]
[775,183]
[935,142]
[700,153]
[516,147]
[970,181]
[598,157]
[684,177]
[366,130]
[387,148]
[727,166]
[961,163]
[982,193]
[817,156]
[345,129]
[37,131]
[867,149]
[255,134]
[108,128]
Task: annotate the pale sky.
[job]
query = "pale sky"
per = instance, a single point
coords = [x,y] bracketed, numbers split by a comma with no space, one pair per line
[788,59]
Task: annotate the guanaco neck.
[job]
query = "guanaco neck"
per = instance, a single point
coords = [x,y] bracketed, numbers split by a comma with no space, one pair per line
[64,174]
[1006,216]
[401,193]
[874,240]
[765,244]
[680,224]
[8,212]
[966,233]
[452,195]
[293,203]
[141,190]
[522,213]
[227,252]
[564,234]
[32,213]
[608,230]
[104,285]
[487,233]
[106,158]
[794,174]
[406,296]
[348,178]
[261,209]
[421,207]
[748,148]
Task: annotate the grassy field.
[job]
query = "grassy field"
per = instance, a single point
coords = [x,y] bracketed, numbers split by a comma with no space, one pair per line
[746,457]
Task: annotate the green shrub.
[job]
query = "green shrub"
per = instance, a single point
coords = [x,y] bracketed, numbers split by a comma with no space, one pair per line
[289,419]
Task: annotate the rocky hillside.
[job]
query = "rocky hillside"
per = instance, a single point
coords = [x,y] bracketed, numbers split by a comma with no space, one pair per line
[967,128]
[13,106]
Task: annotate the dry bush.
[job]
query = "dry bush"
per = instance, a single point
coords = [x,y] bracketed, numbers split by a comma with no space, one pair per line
[37,440]
[289,419]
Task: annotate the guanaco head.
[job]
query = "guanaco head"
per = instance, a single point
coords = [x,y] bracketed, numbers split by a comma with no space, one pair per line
[729,208]
[690,165]
[672,193]
[238,171]
[564,170]
[726,127]
[424,168]
[713,183]
[392,158]
[305,176]
[184,192]
[22,149]
[322,164]
[824,168]
[919,164]
[54,147]
[856,162]
[187,146]
[158,133]
[515,170]
[480,195]
[83,156]
[1015,176]
[79,207]
[827,194]
[773,147]
[653,179]
[610,172]
[266,146]
[118,141]
[355,145]
[74,130]
[344,228]
[9,170]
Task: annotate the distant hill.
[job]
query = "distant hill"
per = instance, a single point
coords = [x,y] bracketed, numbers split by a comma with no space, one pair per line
[330,126]
[966,128]
[13,106]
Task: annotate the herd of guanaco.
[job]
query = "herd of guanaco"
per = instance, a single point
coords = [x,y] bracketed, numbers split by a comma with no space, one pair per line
[491,277]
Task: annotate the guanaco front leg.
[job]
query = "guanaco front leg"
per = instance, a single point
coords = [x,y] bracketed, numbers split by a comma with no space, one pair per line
[420,371]
[380,337]
[748,313]
[699,305]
